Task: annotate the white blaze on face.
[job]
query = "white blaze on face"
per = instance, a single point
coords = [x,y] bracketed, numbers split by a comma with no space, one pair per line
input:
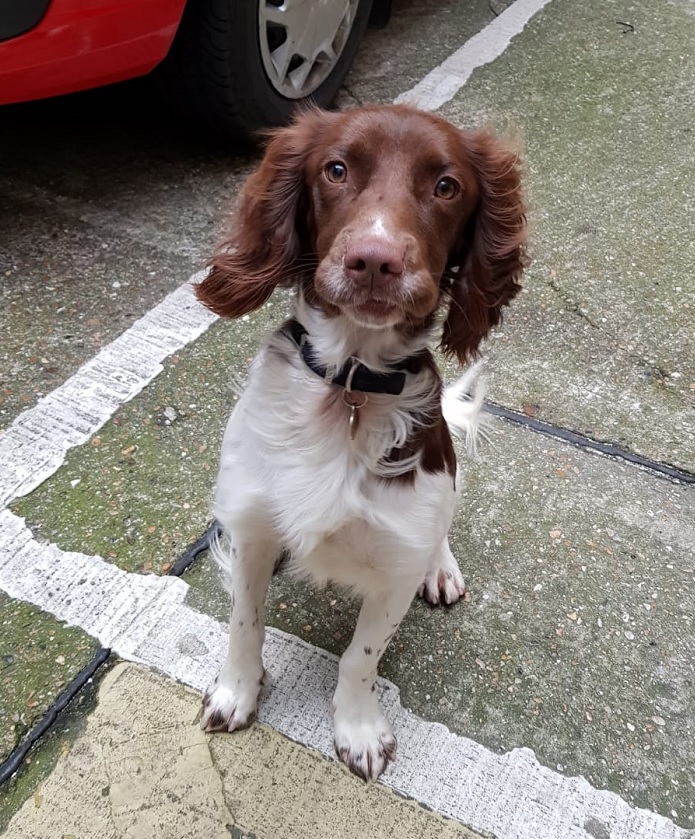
[377,227]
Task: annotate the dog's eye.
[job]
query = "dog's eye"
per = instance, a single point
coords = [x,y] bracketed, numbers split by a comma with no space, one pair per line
[447,188]
[335,172]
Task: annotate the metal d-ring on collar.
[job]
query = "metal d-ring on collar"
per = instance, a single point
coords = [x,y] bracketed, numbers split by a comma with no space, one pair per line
[353,404]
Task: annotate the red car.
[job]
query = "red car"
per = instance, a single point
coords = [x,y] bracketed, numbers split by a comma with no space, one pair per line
[241,64]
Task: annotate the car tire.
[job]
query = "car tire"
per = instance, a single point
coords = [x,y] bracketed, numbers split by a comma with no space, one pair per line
[215,69]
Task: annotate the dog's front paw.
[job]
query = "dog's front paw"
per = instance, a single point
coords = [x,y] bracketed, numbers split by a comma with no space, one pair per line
[364,744]
[443,585]
[229,709]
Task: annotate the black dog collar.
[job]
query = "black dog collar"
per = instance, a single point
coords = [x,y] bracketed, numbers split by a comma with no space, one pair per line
[353,375]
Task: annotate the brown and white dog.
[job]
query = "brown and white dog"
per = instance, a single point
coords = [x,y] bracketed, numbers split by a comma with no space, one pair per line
[395,228]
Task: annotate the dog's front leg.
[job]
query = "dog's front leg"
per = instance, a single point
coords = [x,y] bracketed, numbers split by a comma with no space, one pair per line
[364,740]
[230,701]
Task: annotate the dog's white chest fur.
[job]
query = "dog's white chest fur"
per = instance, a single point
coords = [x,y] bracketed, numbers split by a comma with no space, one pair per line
[339,518]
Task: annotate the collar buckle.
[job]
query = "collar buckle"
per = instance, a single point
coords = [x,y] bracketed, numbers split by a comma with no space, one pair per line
[331,370]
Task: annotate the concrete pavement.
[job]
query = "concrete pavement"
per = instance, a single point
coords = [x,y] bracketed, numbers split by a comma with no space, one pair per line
[576,641]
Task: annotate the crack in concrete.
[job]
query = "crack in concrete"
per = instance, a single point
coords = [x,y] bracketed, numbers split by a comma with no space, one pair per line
[572,305]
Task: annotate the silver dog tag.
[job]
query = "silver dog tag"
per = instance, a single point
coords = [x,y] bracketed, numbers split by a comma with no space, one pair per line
[354,406]
[353,419]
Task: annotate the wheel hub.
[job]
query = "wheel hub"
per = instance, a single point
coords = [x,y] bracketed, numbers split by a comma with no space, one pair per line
[302,40]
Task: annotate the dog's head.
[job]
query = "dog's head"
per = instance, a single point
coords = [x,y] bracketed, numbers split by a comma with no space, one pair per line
[384,215]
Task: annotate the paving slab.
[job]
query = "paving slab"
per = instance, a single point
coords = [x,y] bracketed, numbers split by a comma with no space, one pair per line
[142,768]
[603,340]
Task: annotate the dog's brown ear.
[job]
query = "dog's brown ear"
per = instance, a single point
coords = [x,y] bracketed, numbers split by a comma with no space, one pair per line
[270,227]
[493,253]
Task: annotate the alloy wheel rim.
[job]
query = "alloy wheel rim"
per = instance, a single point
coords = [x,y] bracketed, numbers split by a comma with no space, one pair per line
[302,40]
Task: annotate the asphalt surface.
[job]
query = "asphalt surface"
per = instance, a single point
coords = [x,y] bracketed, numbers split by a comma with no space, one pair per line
[576,640]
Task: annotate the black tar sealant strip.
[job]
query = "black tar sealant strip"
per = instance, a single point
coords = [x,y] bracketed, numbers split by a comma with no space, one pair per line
[583,442]
[102,655]
[14,761]
[193,551]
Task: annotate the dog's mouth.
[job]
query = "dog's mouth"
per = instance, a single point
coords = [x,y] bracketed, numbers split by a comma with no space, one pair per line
[374,312]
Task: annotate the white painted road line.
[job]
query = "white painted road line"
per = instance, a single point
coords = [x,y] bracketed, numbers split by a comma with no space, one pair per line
[35,444]
[445,81]
[145,619]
